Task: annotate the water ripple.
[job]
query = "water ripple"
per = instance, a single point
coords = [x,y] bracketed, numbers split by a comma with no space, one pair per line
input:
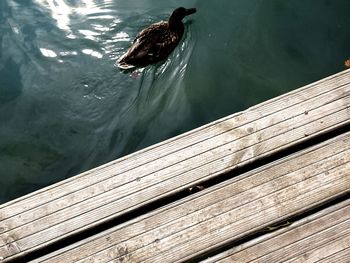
[64,106]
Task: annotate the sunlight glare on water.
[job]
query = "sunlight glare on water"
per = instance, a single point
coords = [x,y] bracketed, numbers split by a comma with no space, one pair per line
[66,108]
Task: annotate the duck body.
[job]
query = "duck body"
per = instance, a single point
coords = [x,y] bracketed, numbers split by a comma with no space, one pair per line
[156,42]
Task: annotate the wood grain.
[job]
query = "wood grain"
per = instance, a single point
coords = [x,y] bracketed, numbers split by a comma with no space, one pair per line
[50,214]
[321,237]
[226,212]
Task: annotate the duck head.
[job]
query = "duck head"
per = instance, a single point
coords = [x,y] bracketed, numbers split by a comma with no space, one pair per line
[178,14]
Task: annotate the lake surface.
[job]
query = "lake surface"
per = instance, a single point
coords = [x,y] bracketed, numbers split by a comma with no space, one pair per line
[66,108]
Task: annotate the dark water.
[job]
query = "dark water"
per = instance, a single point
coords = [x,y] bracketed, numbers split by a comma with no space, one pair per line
[65,107]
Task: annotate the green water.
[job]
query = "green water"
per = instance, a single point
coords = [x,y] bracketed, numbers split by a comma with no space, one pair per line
[66,108]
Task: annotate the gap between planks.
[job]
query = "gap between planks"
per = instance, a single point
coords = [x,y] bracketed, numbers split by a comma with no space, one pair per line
[316,238]
[223,213]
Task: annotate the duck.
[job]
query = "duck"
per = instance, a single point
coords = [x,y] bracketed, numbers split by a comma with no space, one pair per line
[154,43]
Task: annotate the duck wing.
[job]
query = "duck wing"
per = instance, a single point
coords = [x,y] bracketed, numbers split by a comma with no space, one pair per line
[153,30]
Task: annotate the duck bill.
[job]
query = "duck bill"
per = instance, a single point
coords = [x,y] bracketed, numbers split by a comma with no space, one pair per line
[190,11]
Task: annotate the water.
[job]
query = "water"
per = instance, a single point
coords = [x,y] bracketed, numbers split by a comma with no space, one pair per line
[66,108]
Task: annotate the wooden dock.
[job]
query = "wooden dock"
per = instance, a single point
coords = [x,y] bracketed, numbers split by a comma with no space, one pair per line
[269,184]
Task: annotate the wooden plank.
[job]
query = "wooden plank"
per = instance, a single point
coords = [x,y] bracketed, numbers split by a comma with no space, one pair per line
[340,257]
[322,237]
[225,212]
[68,207]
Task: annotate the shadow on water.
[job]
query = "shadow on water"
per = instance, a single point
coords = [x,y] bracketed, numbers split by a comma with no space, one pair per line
[10,82]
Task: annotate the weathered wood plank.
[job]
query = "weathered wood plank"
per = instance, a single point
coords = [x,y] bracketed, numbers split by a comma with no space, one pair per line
[340,257]
[322,237]
[225,212]
[93,197]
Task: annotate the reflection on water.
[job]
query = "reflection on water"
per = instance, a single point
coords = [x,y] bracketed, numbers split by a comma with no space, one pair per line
[65,107]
